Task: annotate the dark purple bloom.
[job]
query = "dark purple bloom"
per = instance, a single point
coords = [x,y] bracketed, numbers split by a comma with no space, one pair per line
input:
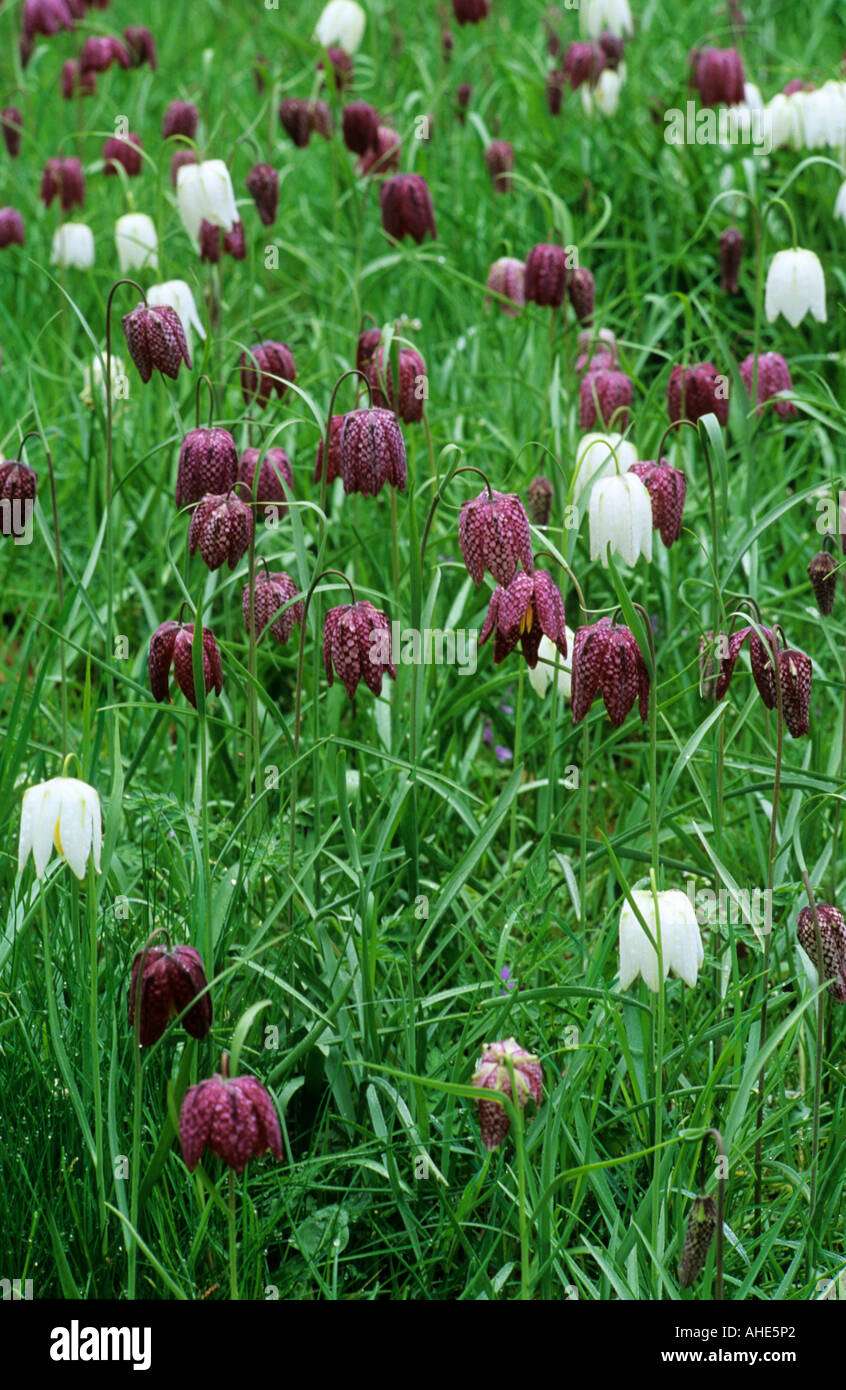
[11,228]
[833,939]
[141,46]
[267,369]
[341,66]
[507,277]
[604,397]
[180,118]
[11,121]
[412,384]
[583,62]
[372,451]
[45,17]
[470,11]
[529,608]
[406,205]
[18,483]
[63,177]
[75,81]
[499,159]
[795,671]
[696,391]
[718,76]
[170,646]
[546,275]
[822,571]
[234,1117]
[271,594]
[275,466]
[334,468]
[384,157]
[170,981]
[581,290]
[221,529]
[126,152]
[493,532]
[773,376]
[98,54]
[208,463]
[667,488]
[607,659]
[297,119]
[368,342]
[597,351]
[613,48]
[731,253]
[357,645]
[360,126]
[263,187]
[156,340]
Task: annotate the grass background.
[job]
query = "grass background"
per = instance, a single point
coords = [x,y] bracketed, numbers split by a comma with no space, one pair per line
[385,950]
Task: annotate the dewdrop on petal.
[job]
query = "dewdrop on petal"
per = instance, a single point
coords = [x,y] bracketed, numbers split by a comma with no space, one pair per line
[681,940]
[795,286]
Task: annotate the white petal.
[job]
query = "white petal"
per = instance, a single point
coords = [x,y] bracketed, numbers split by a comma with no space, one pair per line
[74,828]
[30,810]
[45,825]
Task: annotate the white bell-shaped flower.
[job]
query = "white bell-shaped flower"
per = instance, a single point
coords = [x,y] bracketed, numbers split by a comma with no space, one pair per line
[595,458]
[204,193]
[615,16]
[824,117]
[681,940]
[63,813]
[620,517]
[540,677]
[73,246]
[177,295]
[341,25]
[795,286]
[840,203]
[137,243]
[605,96]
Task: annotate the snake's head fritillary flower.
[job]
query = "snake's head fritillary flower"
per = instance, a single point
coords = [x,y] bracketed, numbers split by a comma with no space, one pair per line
[795,671]
[341,66]
[493,532]
[499,161]
[371,451]
[272,605]
[64,814]
[177,295]
[540,676]
[275,466]
[171,646]
[73,246]
[141,46]
[696,391]
[136,242]
[18,483]
[263,187]
[45,17]
[213,239]
[620,517]
[524,611]
[607,659]
[208,463]
[156,340]
[235,1117]
[613,48]
[597,349]
[99,52]
[773,377]
[221,529]
[583,62]
[731,254]
[406,205]
[718,76]
[604,399]
[463,93]
[360,126]
[833,938]
[540,496]
[822,571]
[11,228]
[11,123]
[681,940]
[506,277]
[204,194]
[63,178]
[267,369]
[357,646]
[384,157]
[615,16]
[667,488]
[795,287]
[408,403]
[124,151]
[470,11]
[581,290]
[699,1232]
[546,275]
[367,344]
[296,117]
[494,1074]
[334,466]
[342,22]
[171,979]
[555,81]
[180,118]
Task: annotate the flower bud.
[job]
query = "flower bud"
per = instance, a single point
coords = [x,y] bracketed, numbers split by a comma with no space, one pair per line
[822,573]
[499,159]
[581,290]
[493,1073]
[406,205]
[360,125]
[170,980]
[540,496]
[701,1225]
[11,121]
[731,252]
[263,187]
[412,382]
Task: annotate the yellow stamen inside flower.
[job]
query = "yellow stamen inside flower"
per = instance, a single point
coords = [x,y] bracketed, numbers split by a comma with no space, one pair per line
[526,620]
[57,840]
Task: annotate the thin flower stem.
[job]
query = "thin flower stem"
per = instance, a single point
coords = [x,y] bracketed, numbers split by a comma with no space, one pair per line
[583,825]
[519,1145]
[60,592]
[233,1245]
[820,963]
[93,1020]
[324,477]
[464,468]
[135,1172]
[212,404]
[512,834]
[837,814]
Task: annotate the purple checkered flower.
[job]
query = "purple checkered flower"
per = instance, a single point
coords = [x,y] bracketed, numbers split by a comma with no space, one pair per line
[208,463]
[607,659]
[406,205]
[795,673]
[696,391]
[171,979]
[493,1073]
[412,383]
[266,369]
[371,450]
[180,118]
[821,572]
[667,488]
[221,529]
[357,645]
[271,594]
[493,532]
[833,939]
[604,399]
[171,646]
[529,608]
[263,187]
[234,1117]
[546,275]
[156,340]
[275,466]
[773,376]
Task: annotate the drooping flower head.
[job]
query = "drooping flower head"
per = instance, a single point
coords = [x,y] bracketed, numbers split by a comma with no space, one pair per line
[64,814]
[583,62]
[493,532]
[581,290]
[795,671]
[180,118]
[63,178]
[11,124]
[506,277]
[275,466]
[470,11]
[493,1074]
[833,939]
[667,488]
[141,46]
[171,980]
[208,463]
[795,286]
[620,518]
[136,243]
[499,161]
[18,484]
[263,187]
[681,941]
[171,646]
[124,151]
[266,370]
[177,295]
[731,252]
[156,340]
[406,205]
[357,646]
[371,451]
[821,572]
[221,529]
[360,126]
[45,17]
[234,1117]
[408,403]
[99,52]
[296,117]
[699,1232]
[546,275]
[342,22]
[604,399]
[524,611]
[718,76]
[204,194]
[696,391]
[608,660]
[773,376]
[272,594]
[73,246]
[11,228]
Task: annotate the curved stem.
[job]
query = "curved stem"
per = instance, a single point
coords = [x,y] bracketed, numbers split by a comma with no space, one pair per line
[463,468]
[324,477]
[135,1174]
[820,964]
[207,379]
